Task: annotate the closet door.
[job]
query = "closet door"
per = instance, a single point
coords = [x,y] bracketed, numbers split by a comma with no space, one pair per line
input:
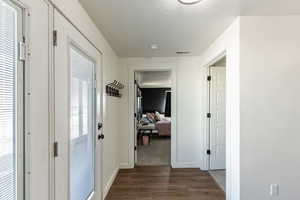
[218,118]
[78,103]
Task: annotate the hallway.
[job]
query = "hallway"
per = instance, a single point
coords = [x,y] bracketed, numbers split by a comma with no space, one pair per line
[164,183]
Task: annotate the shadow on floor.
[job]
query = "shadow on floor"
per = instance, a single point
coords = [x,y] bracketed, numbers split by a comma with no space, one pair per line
[220,177]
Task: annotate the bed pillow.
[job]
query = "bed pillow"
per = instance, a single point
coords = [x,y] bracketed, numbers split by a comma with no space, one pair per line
[157,116]
[144,121]
[151,117]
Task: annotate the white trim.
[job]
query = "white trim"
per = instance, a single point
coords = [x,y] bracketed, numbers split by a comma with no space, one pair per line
[204,143]
[186,165]
[132,70]
[27,67]
[125,166]
[51,87]
[156,86]
[109,183]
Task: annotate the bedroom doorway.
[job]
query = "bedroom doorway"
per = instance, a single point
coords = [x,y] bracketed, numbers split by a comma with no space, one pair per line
[152,108]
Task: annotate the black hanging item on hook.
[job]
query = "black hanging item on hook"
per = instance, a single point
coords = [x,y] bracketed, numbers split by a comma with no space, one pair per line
[113,89]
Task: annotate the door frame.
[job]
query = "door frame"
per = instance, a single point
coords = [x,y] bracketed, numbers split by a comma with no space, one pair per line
[80,50]
[131,141]
[205,140]
[99,81]
[232,117]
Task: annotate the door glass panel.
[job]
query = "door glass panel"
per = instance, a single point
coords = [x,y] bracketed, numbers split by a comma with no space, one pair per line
[8,71]
[82,126]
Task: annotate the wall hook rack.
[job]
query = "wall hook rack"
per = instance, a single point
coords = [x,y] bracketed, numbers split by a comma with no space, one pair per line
[113,88]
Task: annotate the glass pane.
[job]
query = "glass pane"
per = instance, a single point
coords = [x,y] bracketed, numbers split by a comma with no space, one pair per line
[82,126]
[8,46]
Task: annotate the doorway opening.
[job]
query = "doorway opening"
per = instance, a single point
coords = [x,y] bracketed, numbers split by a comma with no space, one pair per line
[152,108]
[217,121]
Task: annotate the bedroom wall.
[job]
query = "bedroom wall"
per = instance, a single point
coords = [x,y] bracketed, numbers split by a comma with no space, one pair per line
[154,99]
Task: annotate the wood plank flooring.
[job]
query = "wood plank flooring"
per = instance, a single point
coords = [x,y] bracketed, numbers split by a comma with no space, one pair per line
[164,183]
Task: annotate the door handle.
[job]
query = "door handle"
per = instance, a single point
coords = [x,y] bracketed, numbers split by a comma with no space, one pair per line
[100,137]
[100,125]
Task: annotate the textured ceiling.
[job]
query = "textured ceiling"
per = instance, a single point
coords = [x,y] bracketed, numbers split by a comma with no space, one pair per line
[131,26]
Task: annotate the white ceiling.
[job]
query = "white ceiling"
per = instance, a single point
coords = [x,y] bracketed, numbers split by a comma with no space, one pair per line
[131,26]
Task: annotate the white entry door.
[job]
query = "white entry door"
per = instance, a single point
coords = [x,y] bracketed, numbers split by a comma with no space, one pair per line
[78,103]
[218,118]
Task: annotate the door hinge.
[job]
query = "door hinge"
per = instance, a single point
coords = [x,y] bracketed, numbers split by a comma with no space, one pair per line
[135,115]
[135,148]
[209,78]
[208,152]
[55,38]
[55,149]
[208,115]
[22,51]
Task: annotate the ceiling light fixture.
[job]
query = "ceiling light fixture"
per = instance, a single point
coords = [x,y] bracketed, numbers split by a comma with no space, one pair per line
[189,2]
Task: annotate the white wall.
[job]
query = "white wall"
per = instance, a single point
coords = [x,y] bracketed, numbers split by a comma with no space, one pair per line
[39,77]
[188,108]
[270,106]
[262,105]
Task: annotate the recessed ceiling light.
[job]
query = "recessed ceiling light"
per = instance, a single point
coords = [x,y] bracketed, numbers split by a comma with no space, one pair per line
[154,46]
[189,2]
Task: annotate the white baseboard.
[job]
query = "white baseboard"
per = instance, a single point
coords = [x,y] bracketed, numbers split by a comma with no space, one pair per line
[186,165]
[109,183]
[126,166]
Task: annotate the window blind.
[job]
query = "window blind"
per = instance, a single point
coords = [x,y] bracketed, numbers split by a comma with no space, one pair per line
[8,54]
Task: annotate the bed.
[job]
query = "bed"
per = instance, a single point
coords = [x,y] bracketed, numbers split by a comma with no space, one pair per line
[163,127]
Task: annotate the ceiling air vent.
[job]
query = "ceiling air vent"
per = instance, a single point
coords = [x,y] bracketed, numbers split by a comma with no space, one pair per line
[183,52]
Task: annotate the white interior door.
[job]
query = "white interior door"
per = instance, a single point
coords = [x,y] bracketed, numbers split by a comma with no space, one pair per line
[78,101]
[218,118]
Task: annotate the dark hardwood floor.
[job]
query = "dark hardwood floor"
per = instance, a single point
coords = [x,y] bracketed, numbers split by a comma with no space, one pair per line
[164,183]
